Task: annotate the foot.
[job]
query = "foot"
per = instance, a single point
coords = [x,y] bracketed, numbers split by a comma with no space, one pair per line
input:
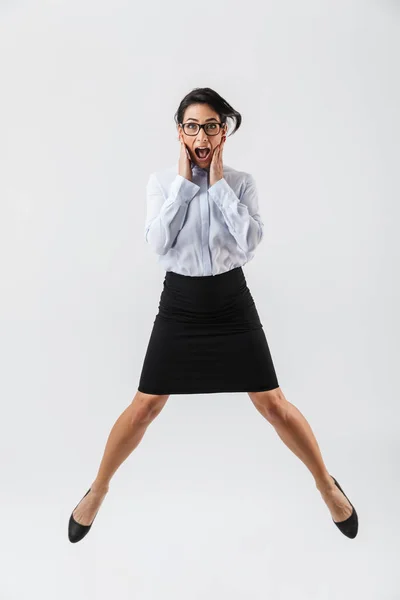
[87,508]
[340,508]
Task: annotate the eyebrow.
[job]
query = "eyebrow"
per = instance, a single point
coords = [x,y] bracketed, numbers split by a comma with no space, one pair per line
[210,119]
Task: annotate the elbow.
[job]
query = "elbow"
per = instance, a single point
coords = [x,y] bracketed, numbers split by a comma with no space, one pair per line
[255,243]
[257,236]
[252,240]
[260,234]
[157,245]
[161,250]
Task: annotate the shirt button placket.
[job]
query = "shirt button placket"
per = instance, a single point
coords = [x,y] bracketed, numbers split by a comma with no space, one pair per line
[205,225]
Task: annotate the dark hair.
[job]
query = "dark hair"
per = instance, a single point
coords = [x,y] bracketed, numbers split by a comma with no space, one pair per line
[209,96]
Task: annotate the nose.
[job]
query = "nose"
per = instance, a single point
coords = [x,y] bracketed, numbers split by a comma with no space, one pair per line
[202,137]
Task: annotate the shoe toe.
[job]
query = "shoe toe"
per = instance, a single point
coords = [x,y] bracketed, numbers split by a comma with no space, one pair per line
[349,527]
[76,531]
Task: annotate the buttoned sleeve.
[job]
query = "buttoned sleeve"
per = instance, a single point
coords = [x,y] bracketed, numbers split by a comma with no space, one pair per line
[165,215]
[241,215]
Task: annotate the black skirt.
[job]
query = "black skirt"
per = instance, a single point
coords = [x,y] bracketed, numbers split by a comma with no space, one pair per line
[207,338]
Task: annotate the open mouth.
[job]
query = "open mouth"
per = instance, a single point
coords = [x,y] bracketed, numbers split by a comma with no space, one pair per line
[202,153]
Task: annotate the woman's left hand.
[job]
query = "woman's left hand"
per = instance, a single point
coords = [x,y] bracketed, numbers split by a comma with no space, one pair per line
[216,166]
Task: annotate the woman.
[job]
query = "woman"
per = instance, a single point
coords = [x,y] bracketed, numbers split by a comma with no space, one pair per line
[203,222]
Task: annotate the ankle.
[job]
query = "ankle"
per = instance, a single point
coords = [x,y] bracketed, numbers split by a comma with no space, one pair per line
[99,487]
[324,483]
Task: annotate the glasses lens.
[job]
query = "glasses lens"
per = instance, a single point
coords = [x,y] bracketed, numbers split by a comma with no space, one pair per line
[191,128]
[212,129]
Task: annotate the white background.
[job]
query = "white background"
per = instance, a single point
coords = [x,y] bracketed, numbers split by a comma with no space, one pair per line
[211,504]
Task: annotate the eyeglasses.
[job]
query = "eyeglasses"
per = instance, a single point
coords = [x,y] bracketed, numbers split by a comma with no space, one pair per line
[194,128]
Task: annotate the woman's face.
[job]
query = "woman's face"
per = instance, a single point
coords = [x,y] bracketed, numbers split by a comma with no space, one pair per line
[201,113]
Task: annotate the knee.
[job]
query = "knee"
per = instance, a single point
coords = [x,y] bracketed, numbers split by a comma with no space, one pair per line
[147,406]
[272,404]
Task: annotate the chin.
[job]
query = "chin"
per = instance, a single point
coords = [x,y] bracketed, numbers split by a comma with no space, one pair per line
[203,165]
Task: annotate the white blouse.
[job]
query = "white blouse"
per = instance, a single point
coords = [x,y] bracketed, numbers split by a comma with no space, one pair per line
[199,230]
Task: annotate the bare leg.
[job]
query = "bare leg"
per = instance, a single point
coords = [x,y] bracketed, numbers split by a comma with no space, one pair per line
[296,433]
[125,435]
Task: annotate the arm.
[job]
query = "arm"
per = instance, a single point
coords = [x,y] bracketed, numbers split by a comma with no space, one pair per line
[242,216]
[165,216]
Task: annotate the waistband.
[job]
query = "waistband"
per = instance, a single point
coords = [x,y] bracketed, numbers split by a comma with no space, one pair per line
[235,273]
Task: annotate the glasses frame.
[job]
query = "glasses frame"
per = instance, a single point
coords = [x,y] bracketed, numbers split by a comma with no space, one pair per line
[203,126]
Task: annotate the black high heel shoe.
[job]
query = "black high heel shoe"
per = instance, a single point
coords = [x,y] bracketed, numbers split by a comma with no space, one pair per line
[349,527]
[76,531]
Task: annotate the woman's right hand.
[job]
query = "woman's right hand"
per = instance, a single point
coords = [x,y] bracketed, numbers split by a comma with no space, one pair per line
[185,168]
